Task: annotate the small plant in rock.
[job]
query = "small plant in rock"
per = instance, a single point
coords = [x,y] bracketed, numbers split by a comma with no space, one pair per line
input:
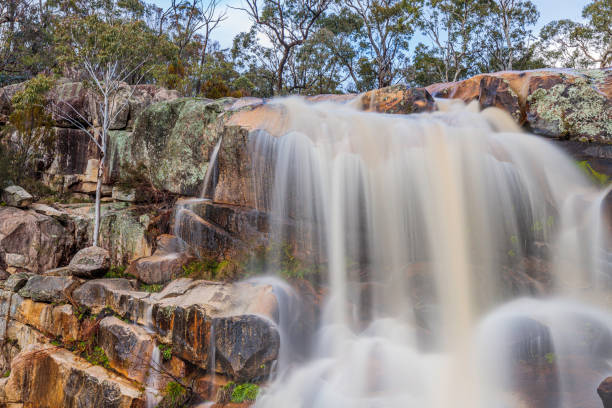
[174,395]
[550,358]
[245,392]
[6,374]
[201,269]
[98,357]
[153,288]
[166,351]
[117,271]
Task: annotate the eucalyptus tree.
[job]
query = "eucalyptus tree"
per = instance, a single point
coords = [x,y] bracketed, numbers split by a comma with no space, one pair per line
[455,30]
[581,45]
[387,27]
[287,25]
[508,35]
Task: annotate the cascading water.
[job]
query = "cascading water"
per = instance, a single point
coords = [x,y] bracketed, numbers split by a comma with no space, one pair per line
[429,226]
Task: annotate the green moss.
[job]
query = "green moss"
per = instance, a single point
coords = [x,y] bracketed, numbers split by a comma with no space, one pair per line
[598,178]
[245,392]
[118,272]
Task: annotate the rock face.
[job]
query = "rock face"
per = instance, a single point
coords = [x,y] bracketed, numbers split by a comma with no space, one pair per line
[34,242]
[172,142]
[90,262]
[51,377]
[564,104]
[16,196]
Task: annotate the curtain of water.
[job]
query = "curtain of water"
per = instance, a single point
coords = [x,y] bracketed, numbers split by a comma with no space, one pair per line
[424,228]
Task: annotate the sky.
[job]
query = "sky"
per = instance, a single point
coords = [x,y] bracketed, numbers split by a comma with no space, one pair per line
[237,21]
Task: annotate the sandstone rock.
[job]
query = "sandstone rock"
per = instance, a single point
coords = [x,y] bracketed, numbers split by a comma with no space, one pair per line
[17,281]
[605,392]
[68,98]
[161,267]
[54,321]
[133,195]
[16,196]
[50,289]
[96,294]
[41,241]
[72,152]
[187,312]
[91,262]
[127,346]
[398,99]
[245,341]
[54,377]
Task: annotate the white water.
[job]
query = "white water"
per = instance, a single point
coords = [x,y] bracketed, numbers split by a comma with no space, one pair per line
[152,393]
[422,223]
[211,172]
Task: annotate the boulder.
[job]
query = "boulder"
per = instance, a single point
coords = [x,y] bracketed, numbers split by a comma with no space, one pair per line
[90,262]
[32,241]
[49,289]
[128,347]
[165,264]
[605,392]
[43,376]
[72,104]
[96,294]
[16,196]
[17,281]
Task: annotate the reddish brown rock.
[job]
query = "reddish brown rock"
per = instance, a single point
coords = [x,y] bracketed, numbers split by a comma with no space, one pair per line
[165,264]
[605,392]
[398,99]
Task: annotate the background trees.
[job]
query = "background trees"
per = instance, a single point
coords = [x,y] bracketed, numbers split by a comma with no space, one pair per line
[299,46]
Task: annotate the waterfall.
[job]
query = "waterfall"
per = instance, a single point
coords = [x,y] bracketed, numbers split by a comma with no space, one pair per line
[210,178]
[430,231]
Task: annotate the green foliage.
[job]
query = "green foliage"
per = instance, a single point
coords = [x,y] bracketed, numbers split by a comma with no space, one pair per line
[550,358]
[580,45]
[245,392]
[98,357]
[174,394]
[32,125]
[6,374]
[118,271]
[598,178]
[153,288]
[166,351]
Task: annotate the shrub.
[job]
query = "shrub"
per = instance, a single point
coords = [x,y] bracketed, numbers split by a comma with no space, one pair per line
[245,392]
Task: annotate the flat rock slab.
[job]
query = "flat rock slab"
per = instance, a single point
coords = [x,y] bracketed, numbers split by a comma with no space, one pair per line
[16,196]
[50,289]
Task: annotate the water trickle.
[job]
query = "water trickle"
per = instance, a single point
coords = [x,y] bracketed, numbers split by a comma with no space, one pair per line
[212,172]
[426,227]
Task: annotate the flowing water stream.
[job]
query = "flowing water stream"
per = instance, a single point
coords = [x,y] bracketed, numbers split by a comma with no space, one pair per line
[467,263]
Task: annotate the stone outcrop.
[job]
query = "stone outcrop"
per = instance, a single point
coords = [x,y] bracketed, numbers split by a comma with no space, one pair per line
[16,196]
[51,377]
[563,104]
[49,289]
